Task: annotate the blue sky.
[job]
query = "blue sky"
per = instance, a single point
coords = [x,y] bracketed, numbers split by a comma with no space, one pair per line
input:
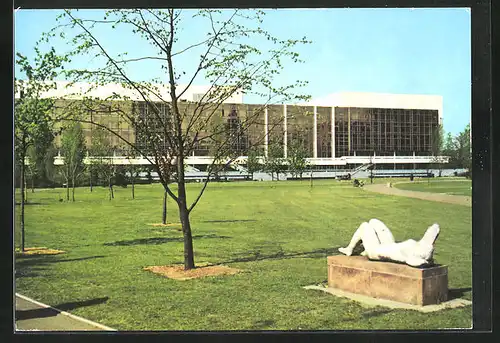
[414,51]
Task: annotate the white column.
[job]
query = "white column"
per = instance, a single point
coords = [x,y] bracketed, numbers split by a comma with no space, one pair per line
[333,132]
[315,133]
[284,132]
[266,132]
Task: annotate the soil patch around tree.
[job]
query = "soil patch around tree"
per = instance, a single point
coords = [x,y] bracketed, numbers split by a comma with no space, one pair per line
[177,271]
[38,251]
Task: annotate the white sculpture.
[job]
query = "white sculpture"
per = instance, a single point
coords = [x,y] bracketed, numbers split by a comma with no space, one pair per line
[379,244]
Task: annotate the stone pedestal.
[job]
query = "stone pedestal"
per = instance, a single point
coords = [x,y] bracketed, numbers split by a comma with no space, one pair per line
[387,280]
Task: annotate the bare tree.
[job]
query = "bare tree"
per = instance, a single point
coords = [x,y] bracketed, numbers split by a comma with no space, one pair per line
[230,60]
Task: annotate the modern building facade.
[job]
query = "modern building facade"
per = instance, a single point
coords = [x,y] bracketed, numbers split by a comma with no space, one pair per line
[339,131]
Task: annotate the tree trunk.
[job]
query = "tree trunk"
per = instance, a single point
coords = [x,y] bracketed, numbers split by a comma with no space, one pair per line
[133,189]
[110,185]
[73,189]
[164,213]
[22,202]
[67,189]
[186,230]
[90,179]
[32,183]
[25,183]
[184,216]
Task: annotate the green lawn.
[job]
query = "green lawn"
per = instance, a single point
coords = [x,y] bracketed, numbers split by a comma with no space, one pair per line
[455,187]
[279,233]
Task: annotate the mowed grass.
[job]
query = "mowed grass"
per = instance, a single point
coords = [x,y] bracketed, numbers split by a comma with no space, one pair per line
[455,187]
[279,233]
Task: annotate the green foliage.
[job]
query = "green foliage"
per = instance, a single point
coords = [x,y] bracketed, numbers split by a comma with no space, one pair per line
[274,162]
[100,153]
[73,151]
[459,149]
[32,121]
[464,150]
[437,146]
[297,163]
[437,140]
[41,157]
[31,112]
[253,162]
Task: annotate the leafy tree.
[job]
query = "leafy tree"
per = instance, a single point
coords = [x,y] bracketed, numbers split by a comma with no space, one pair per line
[464,150]
[73,150]
[253,162]
[297,162]
[274,162]
[32,112]
[39,154]
[231,58]
[459,149]
[32,167]
[47,169]
[450,150]
[437,147]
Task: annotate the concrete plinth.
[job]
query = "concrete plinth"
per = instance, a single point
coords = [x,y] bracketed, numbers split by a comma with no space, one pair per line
[387,280]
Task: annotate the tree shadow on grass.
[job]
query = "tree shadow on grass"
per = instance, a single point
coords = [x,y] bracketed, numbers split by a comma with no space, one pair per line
[29,203]
[32,261]
[160,240]
[49,312]
[256,255]
[455,293]
[27,273]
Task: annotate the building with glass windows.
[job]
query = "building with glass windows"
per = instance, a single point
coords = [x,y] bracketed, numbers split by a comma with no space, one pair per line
[340,131]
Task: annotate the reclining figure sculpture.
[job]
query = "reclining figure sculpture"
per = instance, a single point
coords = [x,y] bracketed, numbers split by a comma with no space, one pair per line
[379,244]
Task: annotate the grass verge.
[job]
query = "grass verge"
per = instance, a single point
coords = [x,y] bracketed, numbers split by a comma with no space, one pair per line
[279,233]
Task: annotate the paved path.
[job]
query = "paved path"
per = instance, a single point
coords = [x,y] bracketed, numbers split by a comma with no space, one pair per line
[35,316]
[440,197]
